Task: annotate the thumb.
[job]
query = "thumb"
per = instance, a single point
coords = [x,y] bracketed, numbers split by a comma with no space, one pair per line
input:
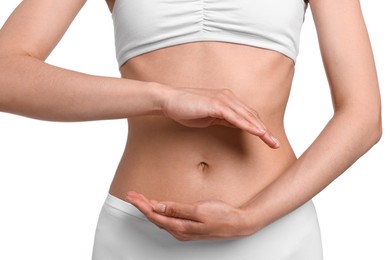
[177,210]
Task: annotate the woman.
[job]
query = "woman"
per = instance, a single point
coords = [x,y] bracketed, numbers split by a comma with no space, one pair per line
[197,108]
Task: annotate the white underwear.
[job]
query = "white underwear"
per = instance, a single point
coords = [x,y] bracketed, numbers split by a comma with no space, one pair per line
[124,233]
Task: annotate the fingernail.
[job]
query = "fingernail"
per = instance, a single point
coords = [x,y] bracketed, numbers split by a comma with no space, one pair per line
[160,207]
[275,140]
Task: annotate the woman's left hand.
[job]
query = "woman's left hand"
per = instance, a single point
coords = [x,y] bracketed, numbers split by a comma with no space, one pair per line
[209,219]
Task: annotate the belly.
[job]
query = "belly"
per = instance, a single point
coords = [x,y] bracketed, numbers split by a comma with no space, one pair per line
[167,161]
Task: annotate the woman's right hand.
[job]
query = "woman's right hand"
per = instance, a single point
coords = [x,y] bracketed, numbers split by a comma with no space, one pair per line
[199,107]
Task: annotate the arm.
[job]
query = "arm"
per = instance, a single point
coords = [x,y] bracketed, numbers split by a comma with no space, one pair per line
[356,124]
[352,131]
[30,87]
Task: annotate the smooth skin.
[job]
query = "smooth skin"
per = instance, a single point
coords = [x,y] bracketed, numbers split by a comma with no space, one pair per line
[32,88]
[354,128]
[56,94]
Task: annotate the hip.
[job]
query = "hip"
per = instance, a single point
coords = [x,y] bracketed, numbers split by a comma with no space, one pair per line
[123,232]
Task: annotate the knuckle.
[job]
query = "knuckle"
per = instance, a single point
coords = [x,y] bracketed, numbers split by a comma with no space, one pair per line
[180,229]
[171,212]
[218,108]
[263,131]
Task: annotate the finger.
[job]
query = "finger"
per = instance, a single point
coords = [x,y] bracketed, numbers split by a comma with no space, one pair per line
[248,113]
[154,202]
[235,118]
[253,118]
[178,210]
[171,224]
[143,205]
[229,99]
[223,112]
[247,121]
[140,202]
[177,226]
[223,122]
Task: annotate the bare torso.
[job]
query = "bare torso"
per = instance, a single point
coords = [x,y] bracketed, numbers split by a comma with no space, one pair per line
[167,161]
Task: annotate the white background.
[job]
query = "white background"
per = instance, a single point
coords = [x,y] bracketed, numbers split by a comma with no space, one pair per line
[55,176]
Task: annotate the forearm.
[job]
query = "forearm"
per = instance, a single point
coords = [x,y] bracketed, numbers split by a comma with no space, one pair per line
[32,88]
[347,136]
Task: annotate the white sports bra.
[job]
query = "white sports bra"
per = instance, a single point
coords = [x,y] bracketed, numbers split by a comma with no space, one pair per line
[142,26]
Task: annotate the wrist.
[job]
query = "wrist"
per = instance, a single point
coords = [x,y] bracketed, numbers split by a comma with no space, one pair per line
[159,95]
[251,218]
[249,225]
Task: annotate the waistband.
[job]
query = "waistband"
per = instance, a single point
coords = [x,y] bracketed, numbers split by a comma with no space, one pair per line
[124,206]
[130,209]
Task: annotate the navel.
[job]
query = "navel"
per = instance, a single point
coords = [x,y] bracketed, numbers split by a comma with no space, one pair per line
[203,166]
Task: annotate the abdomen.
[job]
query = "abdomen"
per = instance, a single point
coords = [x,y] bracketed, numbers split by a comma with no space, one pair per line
[167,161]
